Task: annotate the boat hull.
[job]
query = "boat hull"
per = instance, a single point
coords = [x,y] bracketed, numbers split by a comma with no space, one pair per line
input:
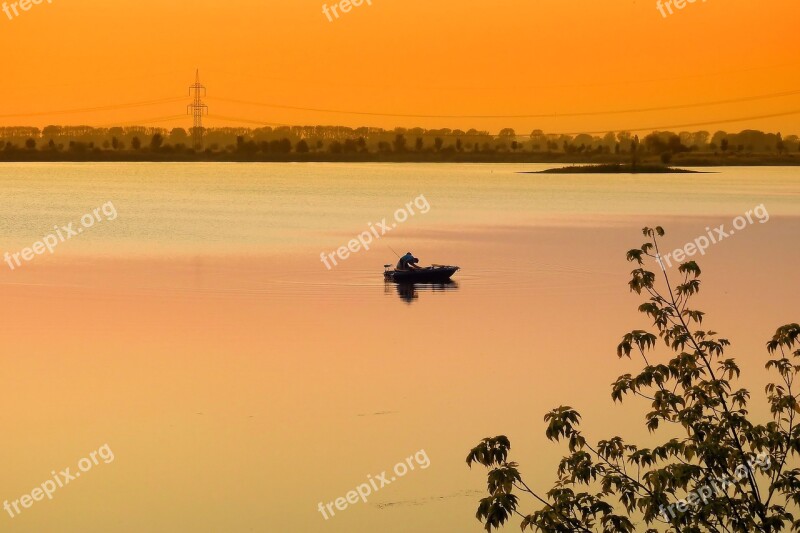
[424,275]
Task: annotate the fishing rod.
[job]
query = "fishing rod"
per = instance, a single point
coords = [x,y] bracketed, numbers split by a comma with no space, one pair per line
[395,253]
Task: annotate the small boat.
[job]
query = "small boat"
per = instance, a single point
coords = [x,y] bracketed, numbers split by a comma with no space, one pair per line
[431,274]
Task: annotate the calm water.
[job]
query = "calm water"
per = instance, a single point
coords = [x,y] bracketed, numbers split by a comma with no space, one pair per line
[239,382]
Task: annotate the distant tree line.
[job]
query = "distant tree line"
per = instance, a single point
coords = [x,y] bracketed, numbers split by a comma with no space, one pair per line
[338,140]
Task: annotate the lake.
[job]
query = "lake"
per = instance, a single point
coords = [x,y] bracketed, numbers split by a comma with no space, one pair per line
[194,328]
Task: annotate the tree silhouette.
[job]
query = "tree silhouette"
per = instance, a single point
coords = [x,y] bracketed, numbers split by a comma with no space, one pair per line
[613,485]
[635,151]
[350,146]
[400,143]
[156,141]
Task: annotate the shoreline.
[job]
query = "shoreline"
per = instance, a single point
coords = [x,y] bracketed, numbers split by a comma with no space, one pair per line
[694,160]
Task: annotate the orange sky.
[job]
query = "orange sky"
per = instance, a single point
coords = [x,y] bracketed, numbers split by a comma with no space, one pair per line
[409,57]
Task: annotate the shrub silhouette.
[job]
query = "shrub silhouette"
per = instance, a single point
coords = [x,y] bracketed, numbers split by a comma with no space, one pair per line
[616,486]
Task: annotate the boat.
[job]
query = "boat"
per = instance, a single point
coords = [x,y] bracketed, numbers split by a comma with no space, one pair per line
[431,274]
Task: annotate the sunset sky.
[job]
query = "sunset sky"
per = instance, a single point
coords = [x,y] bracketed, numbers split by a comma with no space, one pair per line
[451,61]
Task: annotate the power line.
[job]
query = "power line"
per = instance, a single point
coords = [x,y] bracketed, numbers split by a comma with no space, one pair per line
[483,134]
[91,109]
[641,129]
[689,125]
[637,81]
[143,121]
[248,121]
[543,115]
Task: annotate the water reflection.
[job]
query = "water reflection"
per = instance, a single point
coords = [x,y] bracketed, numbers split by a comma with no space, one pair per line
[408,292]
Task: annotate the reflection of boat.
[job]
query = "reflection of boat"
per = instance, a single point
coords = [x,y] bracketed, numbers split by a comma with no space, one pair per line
[432,274]
[409,292]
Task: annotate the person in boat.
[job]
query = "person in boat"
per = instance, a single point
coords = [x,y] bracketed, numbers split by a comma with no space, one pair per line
[408,262]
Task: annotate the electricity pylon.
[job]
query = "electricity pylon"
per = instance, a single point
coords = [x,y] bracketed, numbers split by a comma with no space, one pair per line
[197,108]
